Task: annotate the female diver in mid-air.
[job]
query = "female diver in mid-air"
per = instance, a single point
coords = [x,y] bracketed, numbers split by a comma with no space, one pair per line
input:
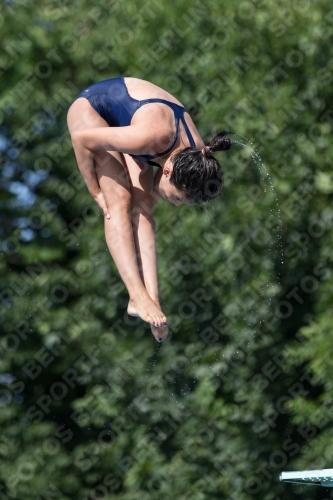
[120,128]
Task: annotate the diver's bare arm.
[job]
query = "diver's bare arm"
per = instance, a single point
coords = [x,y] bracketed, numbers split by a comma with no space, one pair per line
[85,161]
[131,139]
[86,164]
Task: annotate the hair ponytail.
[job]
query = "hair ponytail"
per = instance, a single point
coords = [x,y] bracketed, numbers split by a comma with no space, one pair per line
[220,142]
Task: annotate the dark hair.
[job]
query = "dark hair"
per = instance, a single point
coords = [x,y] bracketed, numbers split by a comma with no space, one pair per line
[197,173]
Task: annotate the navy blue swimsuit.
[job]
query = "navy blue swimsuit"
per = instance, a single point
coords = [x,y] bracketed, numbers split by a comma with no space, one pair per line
[111,100]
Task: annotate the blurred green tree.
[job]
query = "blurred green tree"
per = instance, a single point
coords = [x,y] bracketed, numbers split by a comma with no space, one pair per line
[90,408]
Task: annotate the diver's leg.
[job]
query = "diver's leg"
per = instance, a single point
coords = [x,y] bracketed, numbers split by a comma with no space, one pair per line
[141,182]
[141,185]
[114,182]
[111,174]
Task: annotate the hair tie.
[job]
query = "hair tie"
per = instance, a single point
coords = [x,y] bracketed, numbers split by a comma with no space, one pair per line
[205,150]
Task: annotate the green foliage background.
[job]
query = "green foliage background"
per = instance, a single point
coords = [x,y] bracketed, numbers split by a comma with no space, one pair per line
[242,389]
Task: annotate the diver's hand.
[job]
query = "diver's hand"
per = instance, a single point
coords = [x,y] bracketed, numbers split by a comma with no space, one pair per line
[100,200]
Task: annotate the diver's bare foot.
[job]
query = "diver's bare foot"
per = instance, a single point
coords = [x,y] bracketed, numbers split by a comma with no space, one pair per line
[147,309]
[160,332]
[131,310]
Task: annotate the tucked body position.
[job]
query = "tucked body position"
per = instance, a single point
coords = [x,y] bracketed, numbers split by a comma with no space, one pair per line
[120,129]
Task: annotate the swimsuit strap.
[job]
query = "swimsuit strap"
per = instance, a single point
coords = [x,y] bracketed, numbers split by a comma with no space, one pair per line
[187,130]
[179,115]
[178,111]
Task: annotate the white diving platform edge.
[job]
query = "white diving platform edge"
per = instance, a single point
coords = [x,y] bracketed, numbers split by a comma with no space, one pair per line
[320,477]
